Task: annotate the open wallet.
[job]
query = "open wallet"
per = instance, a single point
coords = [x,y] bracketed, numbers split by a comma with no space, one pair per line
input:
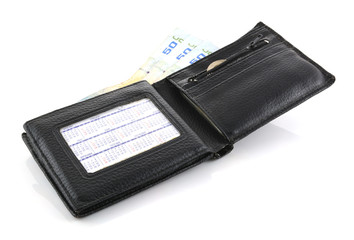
[107,148]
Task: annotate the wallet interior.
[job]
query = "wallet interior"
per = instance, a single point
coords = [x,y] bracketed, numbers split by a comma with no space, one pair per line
[263,76]
[212,104]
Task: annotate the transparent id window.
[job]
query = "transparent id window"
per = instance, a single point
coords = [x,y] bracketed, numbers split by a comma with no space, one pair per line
[118,134]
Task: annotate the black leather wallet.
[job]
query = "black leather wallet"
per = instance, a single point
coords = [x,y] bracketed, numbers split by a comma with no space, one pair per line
[107,148]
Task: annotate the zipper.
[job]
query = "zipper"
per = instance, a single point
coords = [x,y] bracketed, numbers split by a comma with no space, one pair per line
[257,43]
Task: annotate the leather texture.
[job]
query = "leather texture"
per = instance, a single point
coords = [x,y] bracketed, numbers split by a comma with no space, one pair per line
[255,86]
[85,193]
[212,138]
[263,77]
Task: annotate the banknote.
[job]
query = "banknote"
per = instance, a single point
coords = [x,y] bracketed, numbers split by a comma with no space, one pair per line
[172,55]
[178,50]
[201,51]
[170,42]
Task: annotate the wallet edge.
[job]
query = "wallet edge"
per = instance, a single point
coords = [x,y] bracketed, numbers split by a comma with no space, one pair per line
[329,76]
[79,214]
[27,142]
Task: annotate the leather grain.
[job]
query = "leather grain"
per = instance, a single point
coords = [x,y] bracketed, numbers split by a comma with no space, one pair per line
[85,193]
[254,88]
[263,77]
[212,138]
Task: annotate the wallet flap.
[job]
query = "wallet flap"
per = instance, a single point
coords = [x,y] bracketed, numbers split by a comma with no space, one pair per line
[250,82]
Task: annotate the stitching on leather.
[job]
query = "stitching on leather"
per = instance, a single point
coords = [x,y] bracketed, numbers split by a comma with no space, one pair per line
[109,200]
[243,71]
[327,74]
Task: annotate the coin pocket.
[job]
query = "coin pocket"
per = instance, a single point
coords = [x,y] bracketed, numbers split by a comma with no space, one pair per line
[222,74]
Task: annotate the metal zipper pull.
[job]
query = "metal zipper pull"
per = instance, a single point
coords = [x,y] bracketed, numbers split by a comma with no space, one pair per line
[258,42]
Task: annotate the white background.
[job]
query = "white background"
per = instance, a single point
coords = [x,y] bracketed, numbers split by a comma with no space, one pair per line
[291,179]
